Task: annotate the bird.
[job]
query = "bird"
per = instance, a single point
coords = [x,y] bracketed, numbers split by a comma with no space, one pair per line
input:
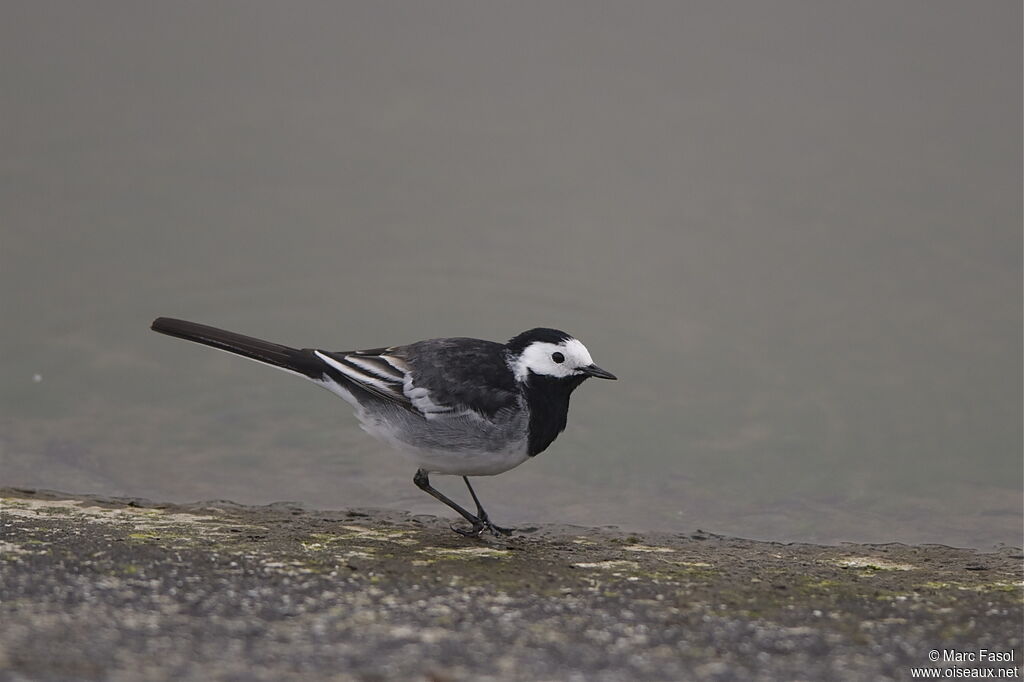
[457,406]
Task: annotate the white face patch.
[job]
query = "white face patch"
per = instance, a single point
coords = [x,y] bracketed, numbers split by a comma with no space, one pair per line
[540,358]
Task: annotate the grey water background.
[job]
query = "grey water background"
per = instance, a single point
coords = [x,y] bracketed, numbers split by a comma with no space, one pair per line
[793,229]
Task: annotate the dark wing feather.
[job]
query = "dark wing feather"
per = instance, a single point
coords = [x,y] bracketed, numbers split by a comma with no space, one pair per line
[461,374]
[431,378]
[380,372]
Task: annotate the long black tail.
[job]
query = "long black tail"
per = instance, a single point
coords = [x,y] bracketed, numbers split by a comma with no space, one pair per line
[292,359]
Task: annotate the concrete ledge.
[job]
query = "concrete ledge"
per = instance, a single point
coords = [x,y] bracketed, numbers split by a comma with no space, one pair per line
[100,588]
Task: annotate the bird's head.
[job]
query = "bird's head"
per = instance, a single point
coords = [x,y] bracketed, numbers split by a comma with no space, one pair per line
[552,353]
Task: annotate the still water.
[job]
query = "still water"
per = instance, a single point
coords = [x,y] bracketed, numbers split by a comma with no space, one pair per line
[795,237]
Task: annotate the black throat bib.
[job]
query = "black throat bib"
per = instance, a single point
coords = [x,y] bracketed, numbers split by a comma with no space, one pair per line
[548,400]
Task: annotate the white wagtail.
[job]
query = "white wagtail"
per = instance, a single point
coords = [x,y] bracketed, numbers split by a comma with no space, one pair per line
[459,406]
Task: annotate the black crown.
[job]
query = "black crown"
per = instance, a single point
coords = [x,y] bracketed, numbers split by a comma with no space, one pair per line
[543,334]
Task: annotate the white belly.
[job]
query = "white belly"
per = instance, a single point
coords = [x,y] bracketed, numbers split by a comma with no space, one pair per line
[467,464]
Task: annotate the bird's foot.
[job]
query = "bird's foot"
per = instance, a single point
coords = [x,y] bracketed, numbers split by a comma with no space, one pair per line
[498,531]
[479,526]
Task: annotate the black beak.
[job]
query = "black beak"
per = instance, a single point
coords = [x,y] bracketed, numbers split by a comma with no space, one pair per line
[595,371]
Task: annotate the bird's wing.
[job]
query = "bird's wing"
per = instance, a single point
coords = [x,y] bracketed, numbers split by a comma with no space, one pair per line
[440,378]
[460,376]
[381,372]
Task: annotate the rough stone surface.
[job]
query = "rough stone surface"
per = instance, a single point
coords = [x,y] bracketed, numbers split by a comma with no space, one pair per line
[115,589]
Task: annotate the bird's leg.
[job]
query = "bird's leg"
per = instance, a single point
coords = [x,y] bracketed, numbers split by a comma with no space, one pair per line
[423,483]
[482,515]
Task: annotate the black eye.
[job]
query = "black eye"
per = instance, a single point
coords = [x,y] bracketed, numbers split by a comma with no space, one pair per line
[558,357]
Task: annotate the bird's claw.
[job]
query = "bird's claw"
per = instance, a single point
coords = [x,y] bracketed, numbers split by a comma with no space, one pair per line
[498,531]
[479,526]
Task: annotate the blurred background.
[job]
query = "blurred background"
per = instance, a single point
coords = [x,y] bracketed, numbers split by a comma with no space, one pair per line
[793,229]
